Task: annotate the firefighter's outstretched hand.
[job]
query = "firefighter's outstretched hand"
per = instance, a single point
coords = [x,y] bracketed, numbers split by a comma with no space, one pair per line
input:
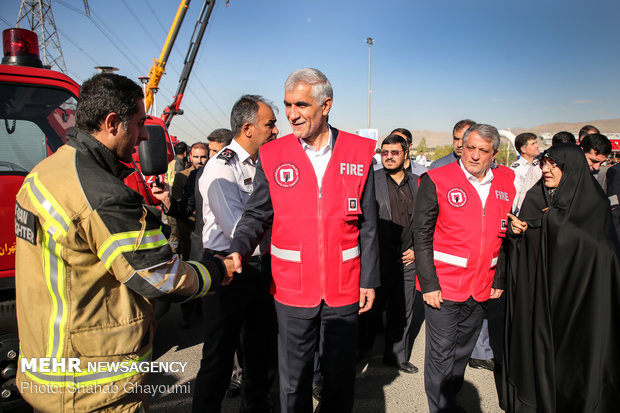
[367,298]
[230,269]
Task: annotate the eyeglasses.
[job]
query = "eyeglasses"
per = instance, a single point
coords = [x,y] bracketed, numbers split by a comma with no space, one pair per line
[548,161]
[393,153]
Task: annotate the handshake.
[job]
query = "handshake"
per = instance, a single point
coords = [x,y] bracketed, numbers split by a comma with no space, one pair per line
[233,265]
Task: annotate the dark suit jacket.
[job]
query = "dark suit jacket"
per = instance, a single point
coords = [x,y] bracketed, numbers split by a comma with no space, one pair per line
[613,188]
[191,202]
[385,225]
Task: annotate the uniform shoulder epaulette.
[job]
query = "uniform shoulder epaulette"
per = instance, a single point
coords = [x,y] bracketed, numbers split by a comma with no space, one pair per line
[227,154]
[515,165]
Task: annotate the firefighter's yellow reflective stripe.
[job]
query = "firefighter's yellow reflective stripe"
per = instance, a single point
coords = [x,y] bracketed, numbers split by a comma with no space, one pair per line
[55,275]
[56,219]
[55,223]
[206,278]
[123,370]
[128,241]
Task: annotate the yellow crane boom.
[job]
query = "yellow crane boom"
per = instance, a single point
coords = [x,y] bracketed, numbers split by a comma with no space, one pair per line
[159,65]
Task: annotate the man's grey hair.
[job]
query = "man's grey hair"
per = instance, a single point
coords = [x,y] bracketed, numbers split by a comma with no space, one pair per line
[321,88]
[486,131]
[245,110]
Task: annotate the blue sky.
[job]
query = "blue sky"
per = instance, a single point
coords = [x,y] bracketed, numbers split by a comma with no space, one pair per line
[507,63]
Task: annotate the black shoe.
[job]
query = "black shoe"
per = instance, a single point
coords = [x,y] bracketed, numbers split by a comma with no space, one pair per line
[407,367]
[481,364]
[317,388]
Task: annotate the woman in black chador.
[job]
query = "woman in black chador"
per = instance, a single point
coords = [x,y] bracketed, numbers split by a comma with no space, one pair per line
[563,303]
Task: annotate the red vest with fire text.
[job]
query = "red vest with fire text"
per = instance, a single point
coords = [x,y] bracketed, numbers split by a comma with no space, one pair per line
[467,236]
[315,252]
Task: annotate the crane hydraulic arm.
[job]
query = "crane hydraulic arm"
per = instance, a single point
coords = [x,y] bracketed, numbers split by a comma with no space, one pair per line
[159,65]
[199,30]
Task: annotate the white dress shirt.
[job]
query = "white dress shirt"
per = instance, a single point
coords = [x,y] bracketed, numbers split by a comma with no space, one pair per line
[526,175]
[319,158]
[482,187]
[225,187]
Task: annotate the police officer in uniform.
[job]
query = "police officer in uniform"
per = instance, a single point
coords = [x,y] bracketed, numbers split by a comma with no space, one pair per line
[315,189]
[526,169]
[240,314]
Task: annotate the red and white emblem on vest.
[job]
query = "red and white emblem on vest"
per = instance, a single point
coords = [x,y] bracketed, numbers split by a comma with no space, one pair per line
[457,197]
[286,175]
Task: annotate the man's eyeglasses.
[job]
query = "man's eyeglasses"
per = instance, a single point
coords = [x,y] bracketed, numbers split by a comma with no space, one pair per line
[548,161]
[393,153]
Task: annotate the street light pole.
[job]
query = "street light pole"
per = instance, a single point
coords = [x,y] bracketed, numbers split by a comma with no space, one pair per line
[370,42]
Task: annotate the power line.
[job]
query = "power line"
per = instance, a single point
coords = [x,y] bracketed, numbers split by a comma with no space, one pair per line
[150,36]
[115,43]
[211,97]
[70,6]
[75,76]
[199,129]
[150,7]
[193,92]
[6,21]
[78,47]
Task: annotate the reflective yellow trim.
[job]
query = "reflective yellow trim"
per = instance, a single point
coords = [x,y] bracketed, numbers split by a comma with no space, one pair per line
[62,279]
[116,244]
[206,278]
[55,277]
[47,206]
[50,291]
[52,200]
[55,223]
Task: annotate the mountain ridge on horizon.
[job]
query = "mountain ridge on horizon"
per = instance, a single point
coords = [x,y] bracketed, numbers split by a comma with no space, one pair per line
[437,138]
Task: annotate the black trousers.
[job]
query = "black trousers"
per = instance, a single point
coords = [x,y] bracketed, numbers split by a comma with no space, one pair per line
[399,290]
[297,343]
[238,315]
[451,333]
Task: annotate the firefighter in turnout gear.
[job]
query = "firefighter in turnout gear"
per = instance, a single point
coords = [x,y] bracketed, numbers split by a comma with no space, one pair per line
[90,255]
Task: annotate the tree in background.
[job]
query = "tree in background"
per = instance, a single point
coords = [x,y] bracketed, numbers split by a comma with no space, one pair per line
[422,146]
[506,154]
[442,151]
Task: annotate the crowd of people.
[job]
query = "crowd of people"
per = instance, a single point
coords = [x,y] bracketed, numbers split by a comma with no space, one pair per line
[296,251]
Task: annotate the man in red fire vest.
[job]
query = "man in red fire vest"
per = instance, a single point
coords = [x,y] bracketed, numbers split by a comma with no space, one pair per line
[460,220]
[315,189]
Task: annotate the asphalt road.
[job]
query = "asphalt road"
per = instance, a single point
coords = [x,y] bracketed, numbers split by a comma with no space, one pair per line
[379,389]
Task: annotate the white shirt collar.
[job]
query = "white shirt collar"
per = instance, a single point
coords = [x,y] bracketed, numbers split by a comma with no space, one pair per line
[488,177]
[241,153]
[324,149]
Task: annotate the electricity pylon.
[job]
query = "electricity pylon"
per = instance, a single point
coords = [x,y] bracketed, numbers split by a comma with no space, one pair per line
[36,15]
